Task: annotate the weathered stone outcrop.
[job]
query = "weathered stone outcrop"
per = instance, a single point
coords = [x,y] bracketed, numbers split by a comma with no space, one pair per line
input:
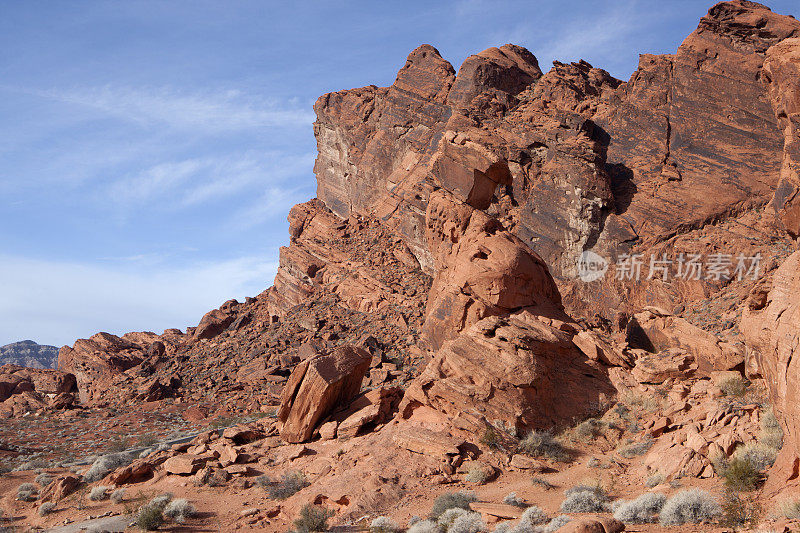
[771,325]
[319,386]
[481,269]
[31,389]
[520,371]
[780,74]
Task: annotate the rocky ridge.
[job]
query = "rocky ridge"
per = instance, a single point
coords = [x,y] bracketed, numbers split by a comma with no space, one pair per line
[428,307]
[29,354]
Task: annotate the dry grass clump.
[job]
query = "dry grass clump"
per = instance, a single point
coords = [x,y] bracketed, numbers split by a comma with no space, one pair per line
[585,499]
[384,524]
[99,493]
[642,510]
[734,387]
[542,444]
[476,475]
[179,510]
[149,518]
[691,506]
[43,479]
[654,480]
[789,509]
[46,508]
[512,499]
[289,484]
[637,448]
[739,511]
[118,496]
[533,516]
[313,518]
[771,431]
[105,464]
[27,492]
[452,500]
[542,482]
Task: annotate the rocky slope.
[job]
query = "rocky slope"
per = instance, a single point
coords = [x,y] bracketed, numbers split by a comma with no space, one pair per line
[429,310]
[29,354]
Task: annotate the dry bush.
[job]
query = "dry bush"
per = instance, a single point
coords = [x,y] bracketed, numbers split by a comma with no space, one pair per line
[542,444]
[691,506]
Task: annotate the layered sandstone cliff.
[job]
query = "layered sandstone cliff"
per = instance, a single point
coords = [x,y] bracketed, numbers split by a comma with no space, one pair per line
[453,207]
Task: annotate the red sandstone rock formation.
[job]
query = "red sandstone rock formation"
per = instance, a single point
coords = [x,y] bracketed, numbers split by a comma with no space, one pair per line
[319,386]
[771,324]
[453,205]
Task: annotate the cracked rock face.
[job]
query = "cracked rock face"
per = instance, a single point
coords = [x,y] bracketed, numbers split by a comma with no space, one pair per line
[452,208]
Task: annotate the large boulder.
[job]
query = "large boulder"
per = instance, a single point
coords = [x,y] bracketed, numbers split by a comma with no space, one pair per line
[481,270]
[319,386]
[520,371]
[656,331]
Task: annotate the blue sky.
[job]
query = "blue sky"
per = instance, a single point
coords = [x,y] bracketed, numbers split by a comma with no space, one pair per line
[150,150]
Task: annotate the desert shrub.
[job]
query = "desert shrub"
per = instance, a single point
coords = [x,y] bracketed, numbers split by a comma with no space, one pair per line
[757,454]
[179,510]
[27,492]
[43,480]
[556,523]
[46,508]
[588,430]
[384,524]
[638,448]
[423,526]
[99,493]
[30,465]
[739,473]
[654,480]
[476,475]
[161,501]
[117,444]
[467,523]
[263,481]
[491,438]
[739,511]
[118,496]
[733,387]
[771,431]
[289,484]
[313,518]
[789,509]
[149,518]
[639,402]
[543,444]
[691,506]
[542,482]
[532,516]
[512,499]
[584,499]
[643,509]
[105,464]
[447,518]
[452,500]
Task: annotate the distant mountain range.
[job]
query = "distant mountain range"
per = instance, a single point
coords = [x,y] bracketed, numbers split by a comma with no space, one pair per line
[29,354]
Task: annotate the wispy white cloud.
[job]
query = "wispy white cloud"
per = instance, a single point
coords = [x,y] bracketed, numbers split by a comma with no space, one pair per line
[196,181]
[200,111]
[69,300]
[274,201]
[605,31]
